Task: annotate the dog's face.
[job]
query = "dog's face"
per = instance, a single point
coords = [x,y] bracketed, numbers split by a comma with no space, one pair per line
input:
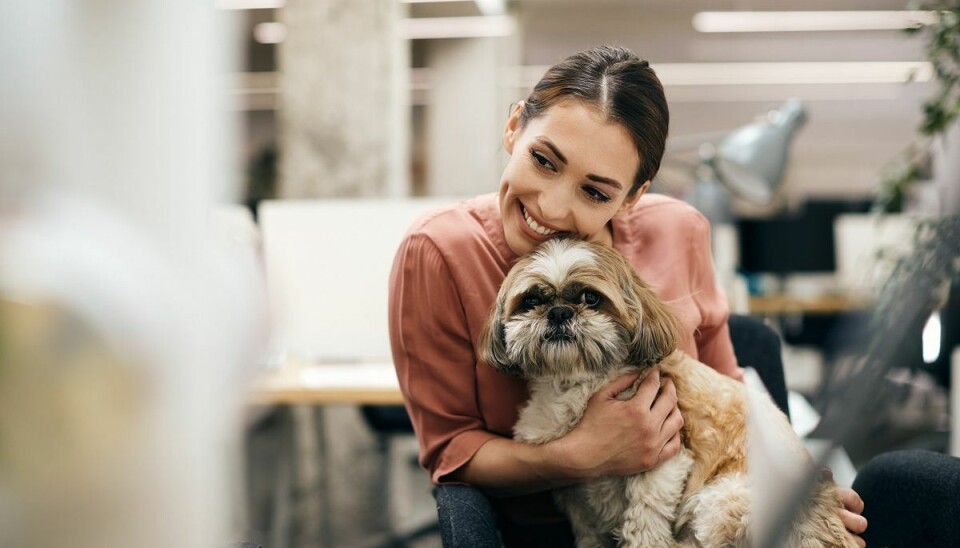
[574,307]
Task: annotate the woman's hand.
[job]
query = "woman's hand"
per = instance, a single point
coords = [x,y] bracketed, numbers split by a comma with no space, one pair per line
[850,514]
[624,437]
[851,509]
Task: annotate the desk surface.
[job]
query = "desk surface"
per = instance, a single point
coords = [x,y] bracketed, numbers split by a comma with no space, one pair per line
[304,382]
[820,304]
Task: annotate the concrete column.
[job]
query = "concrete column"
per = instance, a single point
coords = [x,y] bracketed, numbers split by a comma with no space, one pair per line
[469,101]
[344,107]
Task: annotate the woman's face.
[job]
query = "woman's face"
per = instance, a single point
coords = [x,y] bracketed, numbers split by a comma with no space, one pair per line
[569,173]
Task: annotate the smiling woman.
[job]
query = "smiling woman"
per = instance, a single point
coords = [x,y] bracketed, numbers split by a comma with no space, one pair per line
[583,147]
[564,174]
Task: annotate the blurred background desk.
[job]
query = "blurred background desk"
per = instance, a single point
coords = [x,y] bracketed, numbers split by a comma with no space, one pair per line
[302,502]
[779,304]
[311,383]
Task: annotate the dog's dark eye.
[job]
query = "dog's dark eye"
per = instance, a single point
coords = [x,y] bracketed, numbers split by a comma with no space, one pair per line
[590,298]
[531,301]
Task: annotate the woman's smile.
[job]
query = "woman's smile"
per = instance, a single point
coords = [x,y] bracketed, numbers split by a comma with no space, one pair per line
[539,228]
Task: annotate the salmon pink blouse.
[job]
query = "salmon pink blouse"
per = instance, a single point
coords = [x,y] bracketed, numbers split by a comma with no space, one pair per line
[445,279]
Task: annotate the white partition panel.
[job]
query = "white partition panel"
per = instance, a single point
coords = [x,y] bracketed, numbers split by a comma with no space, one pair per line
[328,265]
[867,246]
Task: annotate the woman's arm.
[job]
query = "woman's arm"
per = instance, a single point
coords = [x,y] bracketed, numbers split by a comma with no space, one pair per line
[614,437]
[434,358]
[714,347]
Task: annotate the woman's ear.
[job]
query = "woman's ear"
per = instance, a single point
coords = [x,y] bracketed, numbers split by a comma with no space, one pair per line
[512,128]
[632,200]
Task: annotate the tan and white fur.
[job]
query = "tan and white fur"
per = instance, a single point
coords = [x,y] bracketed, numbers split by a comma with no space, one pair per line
[574,315]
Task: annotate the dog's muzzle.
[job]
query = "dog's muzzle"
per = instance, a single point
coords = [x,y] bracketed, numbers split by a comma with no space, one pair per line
[559,315]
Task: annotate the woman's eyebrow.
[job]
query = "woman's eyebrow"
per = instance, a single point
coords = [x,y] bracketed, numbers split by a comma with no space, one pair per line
[596,178]
[604,180]
[549,144]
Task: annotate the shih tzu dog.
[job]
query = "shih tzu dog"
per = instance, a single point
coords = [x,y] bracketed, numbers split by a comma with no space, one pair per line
[571,317]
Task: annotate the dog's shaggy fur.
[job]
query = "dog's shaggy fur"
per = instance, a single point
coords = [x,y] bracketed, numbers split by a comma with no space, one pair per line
[571,317]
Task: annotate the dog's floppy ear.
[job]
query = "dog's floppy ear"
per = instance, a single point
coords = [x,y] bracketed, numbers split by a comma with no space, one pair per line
[492,342]
[657,330]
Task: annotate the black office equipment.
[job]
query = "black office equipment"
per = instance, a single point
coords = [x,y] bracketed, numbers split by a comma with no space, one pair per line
[801,242]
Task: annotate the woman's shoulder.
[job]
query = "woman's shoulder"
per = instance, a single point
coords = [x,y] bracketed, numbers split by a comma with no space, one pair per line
[662,213]
[457,224]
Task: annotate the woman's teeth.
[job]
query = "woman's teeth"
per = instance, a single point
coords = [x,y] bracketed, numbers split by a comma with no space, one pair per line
[533,224]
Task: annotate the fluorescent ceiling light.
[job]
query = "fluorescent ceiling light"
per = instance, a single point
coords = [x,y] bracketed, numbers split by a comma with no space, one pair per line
[249,4]
[492,7]
[457,27]
[787,21]
[486,7]
[724,74]
[860,72]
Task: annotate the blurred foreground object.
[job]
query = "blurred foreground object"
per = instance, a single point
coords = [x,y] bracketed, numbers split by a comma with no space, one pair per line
[122,328]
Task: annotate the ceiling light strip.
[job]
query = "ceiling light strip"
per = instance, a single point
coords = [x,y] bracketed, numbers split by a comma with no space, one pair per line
[807,21]
[859,72]
[248,4]
[457,27]
[772,73]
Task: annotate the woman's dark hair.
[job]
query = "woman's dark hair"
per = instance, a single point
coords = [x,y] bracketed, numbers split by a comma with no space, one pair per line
[622,86]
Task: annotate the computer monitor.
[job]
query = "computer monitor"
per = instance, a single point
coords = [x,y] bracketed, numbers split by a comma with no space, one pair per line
[800,242]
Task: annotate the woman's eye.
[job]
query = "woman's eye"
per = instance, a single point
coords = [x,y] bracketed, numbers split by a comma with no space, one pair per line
[595,194]
[591,298]
[530,302]
[542,160]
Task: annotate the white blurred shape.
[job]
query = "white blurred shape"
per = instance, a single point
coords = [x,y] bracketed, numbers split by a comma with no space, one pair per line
[932,338]
[807,21]
[777,461]
[249,4]
[955,402]
[328,293]
[270,33]
[867,247]
[113,148]
[458,27]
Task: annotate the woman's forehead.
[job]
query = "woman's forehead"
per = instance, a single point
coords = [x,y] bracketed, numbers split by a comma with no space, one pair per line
[584,135]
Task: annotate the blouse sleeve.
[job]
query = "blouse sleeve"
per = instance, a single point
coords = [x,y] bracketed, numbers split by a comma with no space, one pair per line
[434,358]
[713,336]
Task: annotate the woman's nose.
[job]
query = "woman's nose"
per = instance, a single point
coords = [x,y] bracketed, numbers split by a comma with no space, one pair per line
[554,205]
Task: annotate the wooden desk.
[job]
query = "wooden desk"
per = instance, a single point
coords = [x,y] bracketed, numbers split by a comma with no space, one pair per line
[770,305]
[311,383]
[308,386]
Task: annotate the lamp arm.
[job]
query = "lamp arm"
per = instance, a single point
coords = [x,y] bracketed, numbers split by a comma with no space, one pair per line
[693,141]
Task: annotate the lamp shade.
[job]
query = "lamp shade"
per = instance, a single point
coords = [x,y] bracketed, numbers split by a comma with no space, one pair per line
[750,160]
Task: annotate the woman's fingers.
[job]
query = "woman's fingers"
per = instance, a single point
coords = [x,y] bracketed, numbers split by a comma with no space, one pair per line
[648,389]
[666,399]
[850,514]
[851,500]
[620,384]
[670,449]
[855,523]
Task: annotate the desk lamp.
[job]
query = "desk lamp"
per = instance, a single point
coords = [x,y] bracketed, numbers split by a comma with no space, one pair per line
[749,161]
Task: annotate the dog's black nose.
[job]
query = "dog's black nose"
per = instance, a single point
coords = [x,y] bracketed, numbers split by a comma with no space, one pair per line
[559,314]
